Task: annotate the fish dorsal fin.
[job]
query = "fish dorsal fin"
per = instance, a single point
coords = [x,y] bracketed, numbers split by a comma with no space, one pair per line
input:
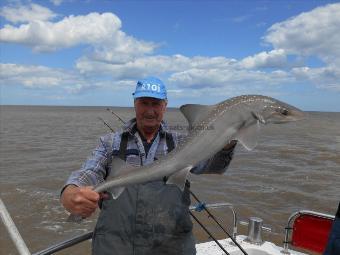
[248,135]
[194,113]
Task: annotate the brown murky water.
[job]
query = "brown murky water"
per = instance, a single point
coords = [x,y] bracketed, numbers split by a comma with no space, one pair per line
[295,166]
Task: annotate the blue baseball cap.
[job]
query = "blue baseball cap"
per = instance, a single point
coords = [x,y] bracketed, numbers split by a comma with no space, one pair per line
[150,87]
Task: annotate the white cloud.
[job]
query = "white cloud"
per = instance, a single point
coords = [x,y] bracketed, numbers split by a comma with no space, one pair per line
[272,59]
[73,30]
[29,13]
[119,59]
[151,65]
[37,77]
[323,77]
[231,77]
[311,33]
[216,75]
[102,31]
[29,76]
[45,78]
[289,38]
[142,66]
[121,48]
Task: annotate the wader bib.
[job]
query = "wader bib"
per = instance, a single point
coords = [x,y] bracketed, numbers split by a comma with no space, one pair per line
[147,219]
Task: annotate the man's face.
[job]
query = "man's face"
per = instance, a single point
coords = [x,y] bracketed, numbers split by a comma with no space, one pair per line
[149,113]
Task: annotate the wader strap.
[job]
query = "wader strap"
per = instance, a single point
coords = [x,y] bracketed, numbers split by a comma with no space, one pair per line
[169,141]
[123,146]
[124,141]
[171,145]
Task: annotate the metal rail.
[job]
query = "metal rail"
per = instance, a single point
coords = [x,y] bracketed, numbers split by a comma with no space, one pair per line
[65,244]
[83,237]
[13,231]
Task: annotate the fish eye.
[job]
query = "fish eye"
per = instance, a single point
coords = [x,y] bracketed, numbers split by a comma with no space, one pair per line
[284,112]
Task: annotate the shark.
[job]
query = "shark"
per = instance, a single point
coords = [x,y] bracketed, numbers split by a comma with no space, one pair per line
[211,127]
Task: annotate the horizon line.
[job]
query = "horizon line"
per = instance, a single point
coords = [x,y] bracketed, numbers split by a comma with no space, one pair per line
[107,106]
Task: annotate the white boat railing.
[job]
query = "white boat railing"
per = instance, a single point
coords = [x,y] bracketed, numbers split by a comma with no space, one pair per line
[12,230]
[65,244]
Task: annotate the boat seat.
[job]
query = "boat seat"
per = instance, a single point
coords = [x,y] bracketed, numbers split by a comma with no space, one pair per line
[310,231]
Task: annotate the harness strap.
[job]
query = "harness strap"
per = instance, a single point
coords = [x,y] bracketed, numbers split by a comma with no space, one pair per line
[123,145]
[169,141]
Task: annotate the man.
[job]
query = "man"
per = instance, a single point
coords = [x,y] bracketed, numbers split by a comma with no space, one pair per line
[333,245]
[150,218]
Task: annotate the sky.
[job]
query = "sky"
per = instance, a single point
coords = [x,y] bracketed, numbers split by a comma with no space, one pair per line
[69,52]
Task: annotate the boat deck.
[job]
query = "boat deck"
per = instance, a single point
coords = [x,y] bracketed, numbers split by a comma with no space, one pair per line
[266,248]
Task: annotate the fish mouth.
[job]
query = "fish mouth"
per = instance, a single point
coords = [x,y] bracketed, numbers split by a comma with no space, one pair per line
[296,115]
[289,115]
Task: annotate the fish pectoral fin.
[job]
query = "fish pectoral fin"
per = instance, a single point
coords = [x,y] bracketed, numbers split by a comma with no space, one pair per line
[179,177]
[119,167]
[195,112]
[248,135]
[116,192]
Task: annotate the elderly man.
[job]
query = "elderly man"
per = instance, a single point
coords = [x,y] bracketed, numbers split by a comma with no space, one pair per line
[150,218]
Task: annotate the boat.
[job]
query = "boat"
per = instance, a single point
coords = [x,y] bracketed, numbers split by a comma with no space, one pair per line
[306,232]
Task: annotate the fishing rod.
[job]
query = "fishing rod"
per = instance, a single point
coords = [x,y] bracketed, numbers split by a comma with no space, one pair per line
[208,232]
[120,119]
[218,223]
[106,124]
[116,115]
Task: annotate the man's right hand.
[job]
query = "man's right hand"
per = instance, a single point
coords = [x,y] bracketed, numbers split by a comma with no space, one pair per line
[81,201]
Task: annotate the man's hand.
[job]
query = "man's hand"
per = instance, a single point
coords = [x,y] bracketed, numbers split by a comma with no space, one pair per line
[81,201]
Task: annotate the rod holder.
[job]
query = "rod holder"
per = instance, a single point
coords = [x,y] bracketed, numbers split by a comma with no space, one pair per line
[255,231]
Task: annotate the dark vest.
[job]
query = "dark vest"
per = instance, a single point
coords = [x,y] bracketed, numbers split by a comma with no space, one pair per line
[147,219]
